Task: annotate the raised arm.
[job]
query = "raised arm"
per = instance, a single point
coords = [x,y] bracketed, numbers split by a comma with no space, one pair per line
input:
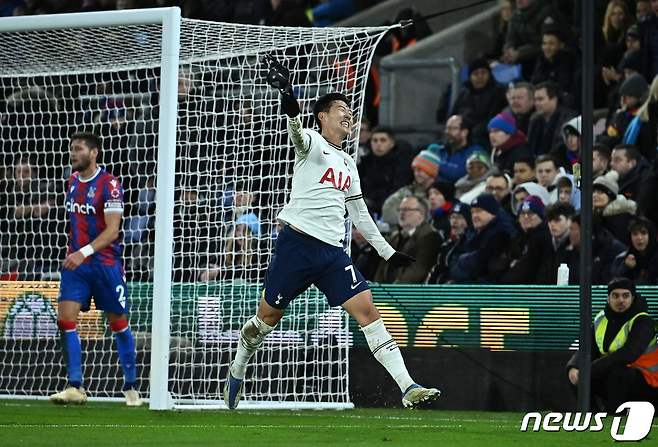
[278,77]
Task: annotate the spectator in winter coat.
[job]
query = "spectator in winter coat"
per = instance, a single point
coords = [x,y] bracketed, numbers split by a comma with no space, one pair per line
[640,262]
[547,171]
[521,103]
[441,197]
[605,249]
[558,218]
[600,160]
[568,154]
[567,191]
[633,171]
[611,209]
[500,186]
[481,98]
[425,168]
[455,149]
[527,248]
[453,245]
[478,169]
[385,169]
[418,238]
[642,129]
[545,132]
[556,64]
[485,257]
[624,356]
[508,144]
[524,170]
[633,91]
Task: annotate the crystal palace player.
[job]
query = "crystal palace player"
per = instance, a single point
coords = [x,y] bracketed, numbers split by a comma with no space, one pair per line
[93,267]
[309,250]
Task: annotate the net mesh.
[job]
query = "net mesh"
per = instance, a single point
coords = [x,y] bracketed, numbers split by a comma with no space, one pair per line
[233,171]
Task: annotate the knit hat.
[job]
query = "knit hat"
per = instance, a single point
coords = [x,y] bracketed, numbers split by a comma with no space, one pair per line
[635,86]
[447,189]
[503,121]
[487,202]
[463,210]
[427,161]
[608,184]
[532,204]
[481,157]
[478,63]
[622,283]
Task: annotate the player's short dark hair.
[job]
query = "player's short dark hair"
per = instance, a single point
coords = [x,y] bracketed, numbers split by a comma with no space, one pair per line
[92,140]
[555,210]
[552,89]
[384,129]
[543,158]
[632,152]
[323,104]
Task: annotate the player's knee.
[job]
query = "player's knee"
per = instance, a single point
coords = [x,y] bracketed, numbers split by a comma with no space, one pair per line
[119,325]
[66,325]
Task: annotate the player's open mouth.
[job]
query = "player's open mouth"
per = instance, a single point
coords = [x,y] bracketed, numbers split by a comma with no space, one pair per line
[345,123]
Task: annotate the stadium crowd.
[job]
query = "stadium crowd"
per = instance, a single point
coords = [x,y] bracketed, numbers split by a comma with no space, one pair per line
[496,199]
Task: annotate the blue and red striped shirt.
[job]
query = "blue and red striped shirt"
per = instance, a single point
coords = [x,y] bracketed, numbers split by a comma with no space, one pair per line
[87,202]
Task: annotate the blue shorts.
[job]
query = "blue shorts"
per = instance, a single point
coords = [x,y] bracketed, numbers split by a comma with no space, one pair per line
[300,260]
[107,284]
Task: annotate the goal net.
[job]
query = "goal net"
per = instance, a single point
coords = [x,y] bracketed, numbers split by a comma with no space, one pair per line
[233,165]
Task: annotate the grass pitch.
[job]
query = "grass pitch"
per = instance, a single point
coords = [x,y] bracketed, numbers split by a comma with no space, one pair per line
[39,423]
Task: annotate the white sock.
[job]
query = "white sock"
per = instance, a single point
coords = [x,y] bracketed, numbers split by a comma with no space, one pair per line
[251,337]
[386,351]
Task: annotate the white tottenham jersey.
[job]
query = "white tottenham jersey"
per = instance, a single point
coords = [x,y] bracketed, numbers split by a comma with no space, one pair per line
[325,181]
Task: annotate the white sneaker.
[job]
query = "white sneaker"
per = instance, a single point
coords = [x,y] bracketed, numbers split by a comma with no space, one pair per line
[417,394]
[132,398]
[70,395]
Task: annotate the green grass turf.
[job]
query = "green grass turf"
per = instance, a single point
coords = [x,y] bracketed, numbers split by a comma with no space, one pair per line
[39,423]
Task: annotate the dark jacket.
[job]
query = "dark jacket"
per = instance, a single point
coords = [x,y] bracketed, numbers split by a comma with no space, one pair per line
[616,216]
[553,256]
[382,176]
[638,339]
[605,249]
[513,150]
[646,267]
[561,70]
[485,256]
[449,252]
[481,105]
[545,136]
[632,184]
[423,245]
[526,252]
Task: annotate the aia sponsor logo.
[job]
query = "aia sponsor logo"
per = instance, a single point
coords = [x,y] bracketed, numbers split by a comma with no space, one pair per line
[341,182]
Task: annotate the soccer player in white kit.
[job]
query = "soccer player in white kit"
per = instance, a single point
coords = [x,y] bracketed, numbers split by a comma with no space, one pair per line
[309,250]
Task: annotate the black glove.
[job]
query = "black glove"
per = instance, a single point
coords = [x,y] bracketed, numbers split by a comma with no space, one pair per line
[278,77]
[400,259]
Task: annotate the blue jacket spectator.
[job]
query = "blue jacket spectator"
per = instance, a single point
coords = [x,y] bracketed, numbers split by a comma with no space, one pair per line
[456,149]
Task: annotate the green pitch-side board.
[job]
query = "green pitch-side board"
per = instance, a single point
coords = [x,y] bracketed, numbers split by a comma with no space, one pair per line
[524,318]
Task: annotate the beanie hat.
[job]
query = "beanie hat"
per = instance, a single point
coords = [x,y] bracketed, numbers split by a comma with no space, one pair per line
[463,210]
[532,204]
[478,63]
[608,184]
[427,161]
[447,189]
[503,121]
[621,283]
[487,202]
[635,86]
[480,157]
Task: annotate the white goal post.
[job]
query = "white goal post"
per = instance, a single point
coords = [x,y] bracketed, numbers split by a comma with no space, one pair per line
[198,141]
